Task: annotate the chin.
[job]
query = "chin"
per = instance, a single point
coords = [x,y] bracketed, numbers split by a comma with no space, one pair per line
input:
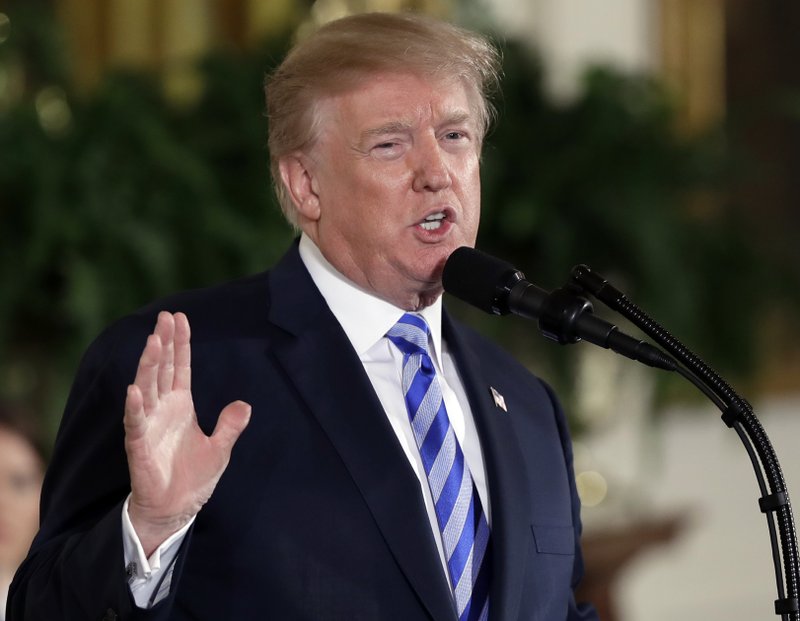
[439,253]
[430,273]
[429,265]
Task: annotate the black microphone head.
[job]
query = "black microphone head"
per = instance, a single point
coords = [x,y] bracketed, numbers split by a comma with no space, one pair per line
[480,279]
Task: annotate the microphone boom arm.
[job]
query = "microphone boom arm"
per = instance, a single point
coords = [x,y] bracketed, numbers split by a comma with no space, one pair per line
[566,316]
[737,414]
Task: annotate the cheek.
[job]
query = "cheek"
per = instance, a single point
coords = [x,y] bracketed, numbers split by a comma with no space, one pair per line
[377,232]
[471,189]
[378,203]
[388,186]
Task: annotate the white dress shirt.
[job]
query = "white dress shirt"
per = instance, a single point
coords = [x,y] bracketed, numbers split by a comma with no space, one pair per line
[365,320]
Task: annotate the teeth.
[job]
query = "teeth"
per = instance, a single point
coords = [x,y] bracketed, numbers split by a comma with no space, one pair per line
[433,221]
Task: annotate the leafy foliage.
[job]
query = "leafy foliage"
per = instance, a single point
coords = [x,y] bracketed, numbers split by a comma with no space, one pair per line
[606,180]
[132,196]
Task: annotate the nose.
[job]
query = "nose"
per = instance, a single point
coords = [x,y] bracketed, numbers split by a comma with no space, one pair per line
[431,173]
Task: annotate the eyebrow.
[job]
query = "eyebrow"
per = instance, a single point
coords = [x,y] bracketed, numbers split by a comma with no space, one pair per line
[397,127]
[457,118]
[394,127]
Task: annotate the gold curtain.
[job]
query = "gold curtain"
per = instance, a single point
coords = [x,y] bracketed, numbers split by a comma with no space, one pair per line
[693,53]
[168,34]
[162,34]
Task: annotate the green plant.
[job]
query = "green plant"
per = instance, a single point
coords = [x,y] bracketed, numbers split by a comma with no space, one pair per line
[126,198]
[111,199]
[606,180]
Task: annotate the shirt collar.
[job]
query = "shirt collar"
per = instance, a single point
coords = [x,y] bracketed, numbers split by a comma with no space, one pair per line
[364,317]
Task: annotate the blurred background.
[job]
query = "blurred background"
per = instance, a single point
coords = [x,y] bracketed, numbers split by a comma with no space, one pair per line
[657,141]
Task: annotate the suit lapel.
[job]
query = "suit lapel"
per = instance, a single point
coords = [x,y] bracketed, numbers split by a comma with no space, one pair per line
[320,361]
[505,468]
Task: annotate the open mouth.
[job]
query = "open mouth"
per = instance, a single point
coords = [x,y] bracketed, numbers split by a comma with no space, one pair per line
[433,221]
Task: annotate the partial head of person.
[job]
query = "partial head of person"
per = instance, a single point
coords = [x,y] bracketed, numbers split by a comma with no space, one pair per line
[376,124]
[22,464]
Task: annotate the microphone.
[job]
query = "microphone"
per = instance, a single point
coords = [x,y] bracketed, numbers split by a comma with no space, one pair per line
[565,316]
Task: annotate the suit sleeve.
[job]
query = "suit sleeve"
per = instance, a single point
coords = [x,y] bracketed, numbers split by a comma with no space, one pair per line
[576,611]
[75,568]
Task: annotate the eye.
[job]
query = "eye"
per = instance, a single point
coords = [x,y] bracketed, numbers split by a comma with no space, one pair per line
[455,139]
[389,149]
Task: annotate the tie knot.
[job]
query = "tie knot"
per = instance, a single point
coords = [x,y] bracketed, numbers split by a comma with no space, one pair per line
[410,334]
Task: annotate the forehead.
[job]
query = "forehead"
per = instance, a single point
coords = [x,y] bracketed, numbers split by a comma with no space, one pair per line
[401,98]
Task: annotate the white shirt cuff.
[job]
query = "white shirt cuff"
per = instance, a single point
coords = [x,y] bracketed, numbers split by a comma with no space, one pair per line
[144,574]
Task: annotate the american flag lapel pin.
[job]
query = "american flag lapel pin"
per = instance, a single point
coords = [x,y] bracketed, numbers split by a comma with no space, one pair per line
[499,400]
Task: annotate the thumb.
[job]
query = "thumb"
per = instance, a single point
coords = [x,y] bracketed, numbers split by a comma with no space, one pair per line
[232,421]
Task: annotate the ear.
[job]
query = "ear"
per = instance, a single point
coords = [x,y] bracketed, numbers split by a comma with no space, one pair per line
[299,180]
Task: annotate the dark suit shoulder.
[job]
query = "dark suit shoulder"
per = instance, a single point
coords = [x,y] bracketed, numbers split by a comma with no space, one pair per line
[238,305]
[241,305]
[497,361]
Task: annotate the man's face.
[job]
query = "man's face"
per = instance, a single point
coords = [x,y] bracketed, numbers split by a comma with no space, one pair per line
[396,175]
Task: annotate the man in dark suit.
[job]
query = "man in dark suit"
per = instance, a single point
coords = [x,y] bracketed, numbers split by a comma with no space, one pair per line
[368,458]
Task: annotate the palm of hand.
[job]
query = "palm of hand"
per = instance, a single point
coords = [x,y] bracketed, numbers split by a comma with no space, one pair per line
[174,466]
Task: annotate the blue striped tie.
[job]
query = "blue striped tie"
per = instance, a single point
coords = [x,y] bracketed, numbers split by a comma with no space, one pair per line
[465,532]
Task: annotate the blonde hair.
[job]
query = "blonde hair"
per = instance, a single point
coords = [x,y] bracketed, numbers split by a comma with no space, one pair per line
[343,52]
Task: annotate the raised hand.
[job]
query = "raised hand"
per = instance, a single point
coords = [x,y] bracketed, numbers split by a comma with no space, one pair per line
[174,466]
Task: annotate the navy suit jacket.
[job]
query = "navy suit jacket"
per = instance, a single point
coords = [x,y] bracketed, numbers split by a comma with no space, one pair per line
[318,516]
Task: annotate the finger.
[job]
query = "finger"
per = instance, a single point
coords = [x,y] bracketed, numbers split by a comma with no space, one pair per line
[165,330]
[147,372]
[134,419]
[183,354]
[232,421]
